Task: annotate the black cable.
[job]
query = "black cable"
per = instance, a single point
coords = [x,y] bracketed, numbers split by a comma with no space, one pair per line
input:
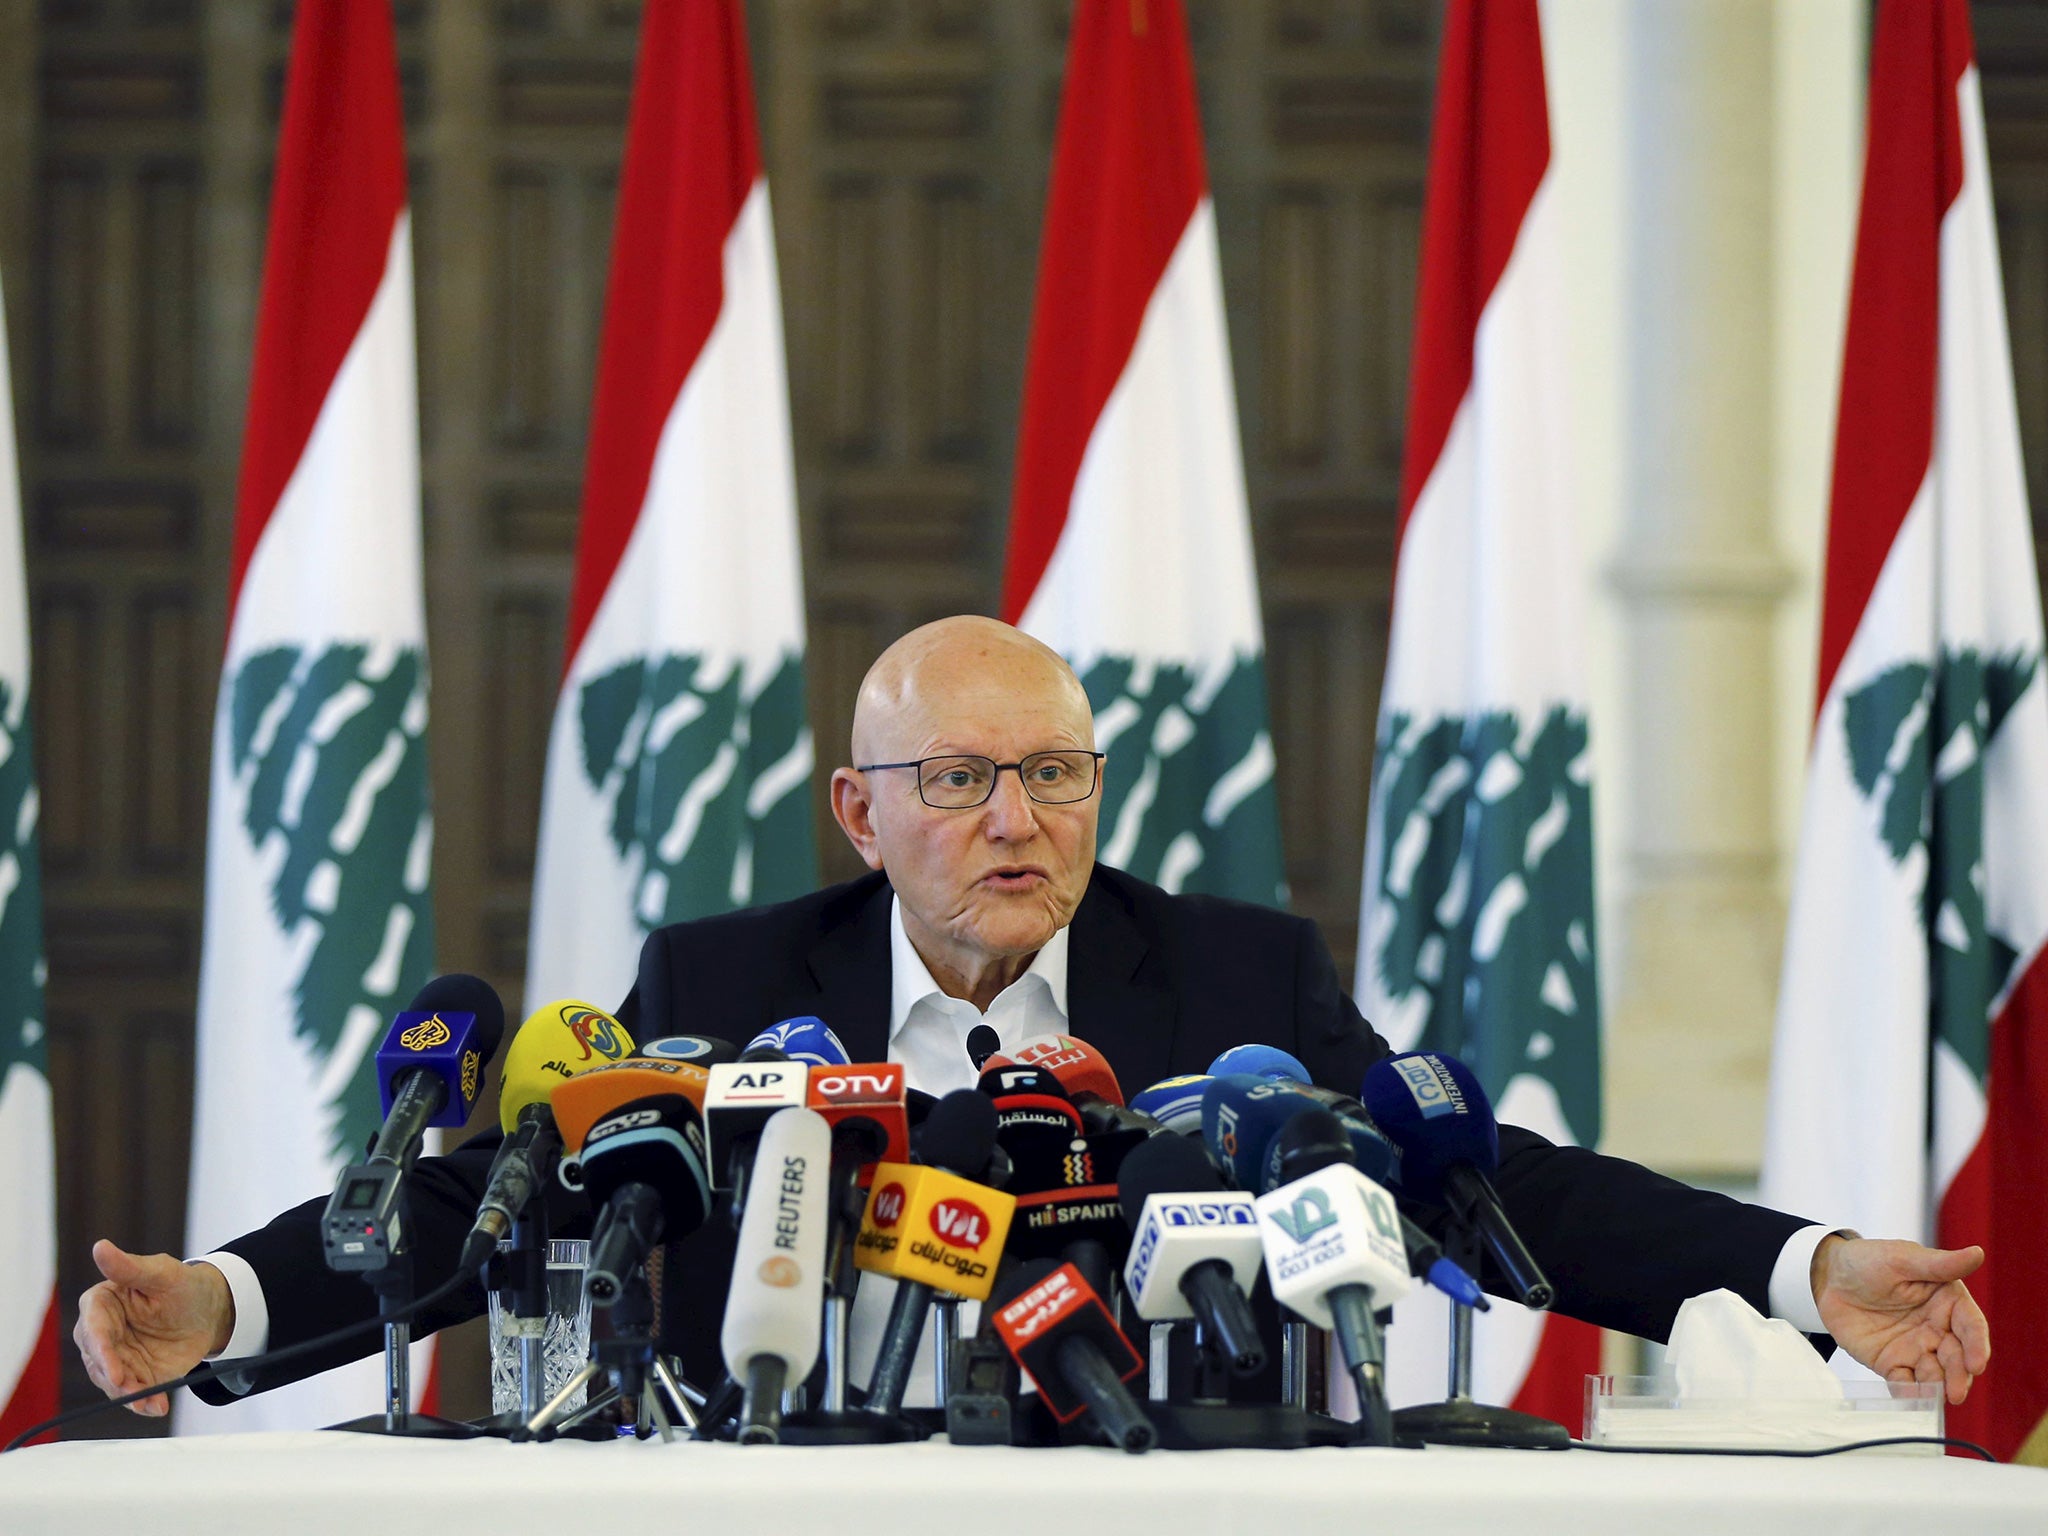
[208,1372]
[1827,1450]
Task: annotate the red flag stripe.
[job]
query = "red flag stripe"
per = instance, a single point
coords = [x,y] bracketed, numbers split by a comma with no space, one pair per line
[692,158]
[1996,1199]
[1567,1352]
[339,190]
[1126,177]
[1489,146]
[1884,434]
[37,1393]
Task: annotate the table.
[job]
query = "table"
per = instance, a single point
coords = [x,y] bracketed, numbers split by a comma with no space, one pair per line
[312,1484]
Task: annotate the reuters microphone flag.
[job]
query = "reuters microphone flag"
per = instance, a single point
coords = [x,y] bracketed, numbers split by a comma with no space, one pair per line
[1130,540]
[679,764]
[1476,923]
[1909,1083]
[28,1197]
[319,920]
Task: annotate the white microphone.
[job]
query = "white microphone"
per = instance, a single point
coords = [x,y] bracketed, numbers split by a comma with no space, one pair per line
[1334,1254]
[772,1311]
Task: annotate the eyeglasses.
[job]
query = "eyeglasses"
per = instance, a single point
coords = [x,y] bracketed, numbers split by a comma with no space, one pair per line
[960,783]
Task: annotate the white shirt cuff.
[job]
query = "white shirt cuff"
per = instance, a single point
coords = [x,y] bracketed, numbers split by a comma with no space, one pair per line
[1791,1294]
[252,1314]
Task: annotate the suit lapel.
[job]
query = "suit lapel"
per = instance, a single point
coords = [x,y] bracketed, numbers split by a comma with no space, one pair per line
[850,965]
[1117,999]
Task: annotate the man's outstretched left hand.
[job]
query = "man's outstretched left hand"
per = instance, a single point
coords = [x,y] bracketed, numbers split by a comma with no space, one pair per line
[1902,1309]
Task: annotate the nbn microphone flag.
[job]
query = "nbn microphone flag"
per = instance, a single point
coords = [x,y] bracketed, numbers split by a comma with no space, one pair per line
[28,1194]
[319,918]
[679,764]
[1130,542]
[1909,1084]
[1476,922]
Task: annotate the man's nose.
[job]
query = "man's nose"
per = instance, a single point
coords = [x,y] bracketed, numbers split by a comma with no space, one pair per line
[1011,813]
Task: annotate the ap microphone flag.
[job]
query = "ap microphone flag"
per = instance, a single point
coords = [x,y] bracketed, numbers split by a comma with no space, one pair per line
[319,920]
[1910,1072]
[1130,543]
[1476,927]
[679,765]
[28,1195]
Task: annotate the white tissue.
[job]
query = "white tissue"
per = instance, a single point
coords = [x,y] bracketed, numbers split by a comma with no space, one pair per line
[1722,1347]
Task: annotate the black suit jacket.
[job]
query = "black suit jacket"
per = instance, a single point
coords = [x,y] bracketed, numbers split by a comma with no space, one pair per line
[1160,984]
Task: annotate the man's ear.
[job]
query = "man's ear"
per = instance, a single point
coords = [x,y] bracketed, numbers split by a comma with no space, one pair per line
[855,813]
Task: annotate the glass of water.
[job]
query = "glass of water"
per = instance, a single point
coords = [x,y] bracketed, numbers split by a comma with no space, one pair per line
[564,1332]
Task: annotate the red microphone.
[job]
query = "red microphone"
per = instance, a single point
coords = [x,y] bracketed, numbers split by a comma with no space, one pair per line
[868,1090]
[1078,1065]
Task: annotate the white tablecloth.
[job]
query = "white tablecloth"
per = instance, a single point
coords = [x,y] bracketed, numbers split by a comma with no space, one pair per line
[360,1485]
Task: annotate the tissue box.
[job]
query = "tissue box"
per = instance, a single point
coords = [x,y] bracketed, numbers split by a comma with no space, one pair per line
[1647,1411]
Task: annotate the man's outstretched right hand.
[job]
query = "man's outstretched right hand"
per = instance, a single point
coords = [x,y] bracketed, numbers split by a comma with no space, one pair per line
[152,1319]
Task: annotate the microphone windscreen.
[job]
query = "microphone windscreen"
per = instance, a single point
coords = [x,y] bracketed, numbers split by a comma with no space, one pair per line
[1433,1109]
[982,1043]
[1259,1061]
[807,1039]
[557,1042]
[1163,1165]
[1078,1065]
[657,1141]
[706,1051]
[1240,1115]
[959,1133]
[458,992]
[1175,1102]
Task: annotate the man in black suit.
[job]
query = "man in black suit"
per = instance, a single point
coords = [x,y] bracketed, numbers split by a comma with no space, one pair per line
[974,799]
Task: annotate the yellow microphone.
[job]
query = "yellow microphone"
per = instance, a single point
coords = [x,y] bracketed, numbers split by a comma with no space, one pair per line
[558,1041]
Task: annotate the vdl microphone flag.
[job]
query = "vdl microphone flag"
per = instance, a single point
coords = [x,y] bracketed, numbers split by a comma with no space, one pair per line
[1909,1084]
[679,765]
[1130,540]
[319,918]
[28,1196]
[1476,931]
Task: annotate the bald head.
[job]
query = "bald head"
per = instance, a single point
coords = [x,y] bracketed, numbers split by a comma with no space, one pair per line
[960,669]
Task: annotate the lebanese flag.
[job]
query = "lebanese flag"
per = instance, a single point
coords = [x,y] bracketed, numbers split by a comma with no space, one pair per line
[319,920]
[1909,1087]
[1130,544]
[1477,915]
[28,1195]
[679,764]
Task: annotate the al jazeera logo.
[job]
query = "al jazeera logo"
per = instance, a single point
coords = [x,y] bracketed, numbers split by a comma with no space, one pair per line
[472,1069]
[426,1034]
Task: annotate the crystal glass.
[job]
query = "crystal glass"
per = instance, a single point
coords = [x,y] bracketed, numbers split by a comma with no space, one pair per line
[565,1331]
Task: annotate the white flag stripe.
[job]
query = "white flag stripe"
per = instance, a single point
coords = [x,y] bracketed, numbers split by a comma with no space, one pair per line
[1155,560]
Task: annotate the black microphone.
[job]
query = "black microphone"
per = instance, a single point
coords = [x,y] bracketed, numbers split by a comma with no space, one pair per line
[982,1043]
[643,1168]
[1432,1107]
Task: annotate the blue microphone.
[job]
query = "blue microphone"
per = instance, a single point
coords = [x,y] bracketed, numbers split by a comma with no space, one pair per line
[1260,1061]
[806,1039]
[1175,1102]
[432,1061]
[1432,1108]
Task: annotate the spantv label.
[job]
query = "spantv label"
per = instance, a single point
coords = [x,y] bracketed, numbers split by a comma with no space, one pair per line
[1060,1213]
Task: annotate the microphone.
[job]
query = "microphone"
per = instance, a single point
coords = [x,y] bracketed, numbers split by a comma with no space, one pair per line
[705,1051]
[770,1335]
[1196,1250]
[739,1097]
[581,1101]
[871,1092]
[806,1039]
[932,1228]
[1334,1254]
[643,1166]
[1241,1114]
[1175,1102]
[1260,1061]
[429,1070]
[1437,1114]
[1056,1327]
[1080,1067]
[557,1042]
[982,1043]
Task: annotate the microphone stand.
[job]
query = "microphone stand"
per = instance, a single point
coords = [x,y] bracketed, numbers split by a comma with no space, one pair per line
[392,1285]
[1459,1420]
